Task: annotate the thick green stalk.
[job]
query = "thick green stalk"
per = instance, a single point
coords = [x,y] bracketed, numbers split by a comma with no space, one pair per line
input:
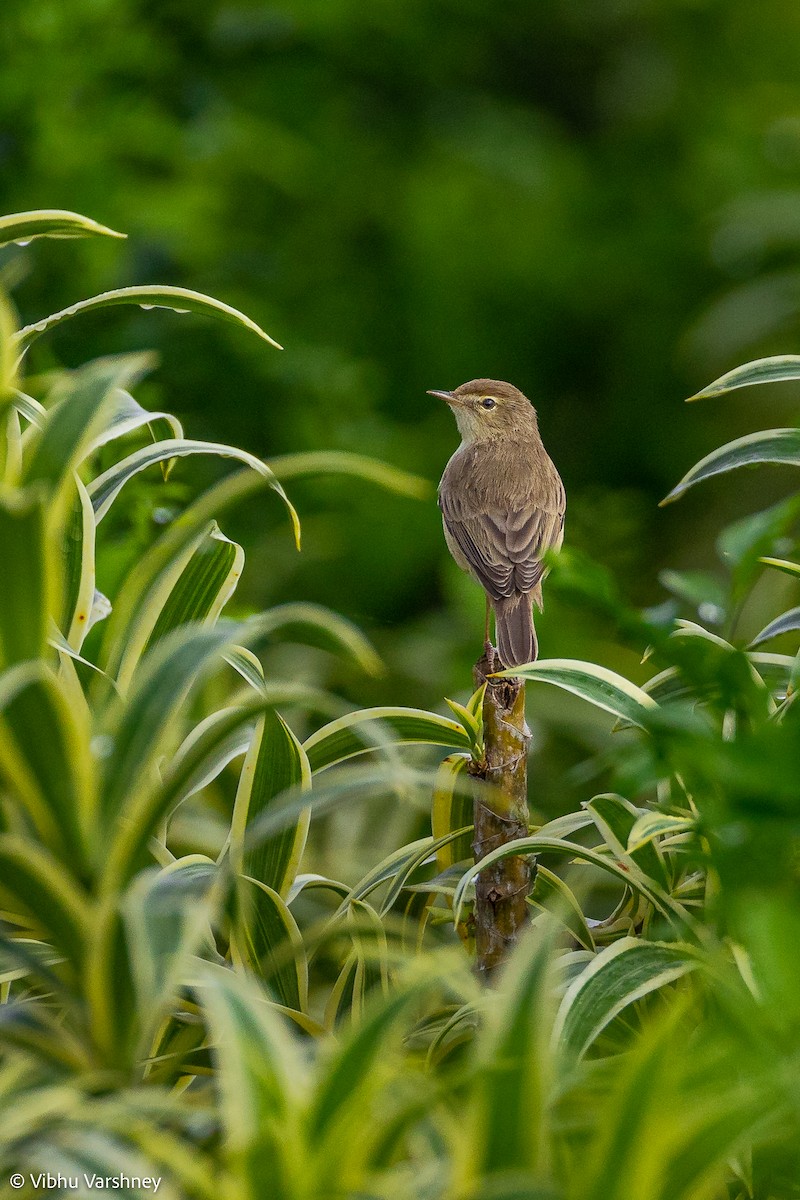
[501,816]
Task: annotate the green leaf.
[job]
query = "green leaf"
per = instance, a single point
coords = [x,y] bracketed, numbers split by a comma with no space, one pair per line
[79,582]
[80,399]
[29,584]
[342,462]
[767,446]
[266,939]
[615,817]
[473,725]
[376,728]
[125,415]
[275,763]
[451,809]
[149,805]
[789,568]
[50,222]
[537,844]
[320,626]
[167,914]
[785,623]
[45,760]
[656,824]
[552,895]
[148,724]
[507,1115]
[601,687]
[775,369]
[106,487]
[34,883]
[149,583]
[258,1070]
[178,299]
[349,1077]
[620,974]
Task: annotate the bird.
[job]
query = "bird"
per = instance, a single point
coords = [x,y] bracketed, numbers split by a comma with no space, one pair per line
[503,504]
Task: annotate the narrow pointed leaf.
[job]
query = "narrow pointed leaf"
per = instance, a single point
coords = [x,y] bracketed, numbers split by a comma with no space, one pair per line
[29,584]
[451,809]
[789,568]
[657,824]
[275,763]
[601,687]
[622,973]
[45,760]
[50,222]
[320,626]
[107,486]
[342,462]
[58,446]
[780,446]
[775,369]
[178,299]
[785,623]
[267,940]
[373,728]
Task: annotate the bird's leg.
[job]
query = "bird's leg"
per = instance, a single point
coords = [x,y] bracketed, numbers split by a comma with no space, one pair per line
[488,648]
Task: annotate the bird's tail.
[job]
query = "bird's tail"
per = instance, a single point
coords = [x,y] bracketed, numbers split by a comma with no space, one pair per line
[516,634]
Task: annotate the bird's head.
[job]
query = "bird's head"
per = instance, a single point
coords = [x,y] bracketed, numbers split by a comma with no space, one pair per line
[488,408]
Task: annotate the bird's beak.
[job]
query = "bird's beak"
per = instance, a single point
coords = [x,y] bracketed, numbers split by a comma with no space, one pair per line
[448,397]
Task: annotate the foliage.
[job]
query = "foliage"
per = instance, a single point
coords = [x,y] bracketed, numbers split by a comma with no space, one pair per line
[182,996]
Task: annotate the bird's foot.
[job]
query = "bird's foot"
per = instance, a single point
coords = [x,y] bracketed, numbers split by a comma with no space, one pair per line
[490,662]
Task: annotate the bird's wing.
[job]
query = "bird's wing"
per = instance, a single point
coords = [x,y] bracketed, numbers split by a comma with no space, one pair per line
[504,549]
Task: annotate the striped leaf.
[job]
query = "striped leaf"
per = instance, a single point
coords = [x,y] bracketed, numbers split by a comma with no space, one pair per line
[601,687]
[786,623]
[615,817]
[622,973]
[342,462]
[276,763]
[451,809]
[776,369]
[106,487]
[45,760]
[258,1071]
[319,626]
[766,446]
[149,583]
[376,728]
[177,299]
[552,895]
[35,886]
[79,575]
[80,399]
[631,876]
[265,939]
[50,222]
[789,568]
[651,825]
[506,1118]
[30,579]
[167,915]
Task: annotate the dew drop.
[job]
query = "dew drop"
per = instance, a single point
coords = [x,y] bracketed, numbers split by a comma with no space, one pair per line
[23,242]
[147,307]
[102,746]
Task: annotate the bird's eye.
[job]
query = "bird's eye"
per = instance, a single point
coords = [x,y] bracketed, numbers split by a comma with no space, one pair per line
[488,402]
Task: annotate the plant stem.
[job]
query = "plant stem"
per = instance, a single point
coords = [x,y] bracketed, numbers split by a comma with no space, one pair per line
[501,816]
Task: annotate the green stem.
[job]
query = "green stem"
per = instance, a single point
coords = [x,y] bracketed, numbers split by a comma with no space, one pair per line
[501,816]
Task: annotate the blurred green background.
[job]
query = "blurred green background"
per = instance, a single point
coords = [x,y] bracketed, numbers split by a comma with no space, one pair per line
[598,200]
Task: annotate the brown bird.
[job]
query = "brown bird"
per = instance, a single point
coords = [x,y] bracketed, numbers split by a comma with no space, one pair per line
[503,505]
